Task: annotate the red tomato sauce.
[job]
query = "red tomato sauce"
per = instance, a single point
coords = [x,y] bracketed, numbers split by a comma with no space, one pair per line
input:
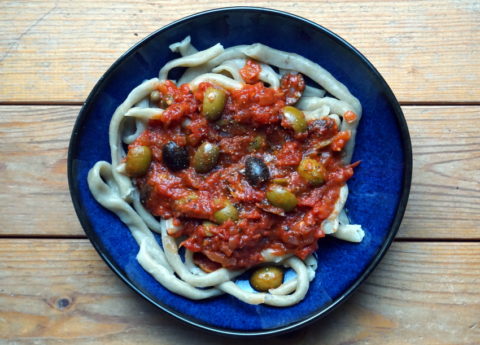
[250,125]
[251,72]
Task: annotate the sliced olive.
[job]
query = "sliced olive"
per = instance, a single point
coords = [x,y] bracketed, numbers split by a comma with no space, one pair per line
[205,157]
[192,195]
[213,103]
[266,278]
[163,101]
[256,171]
[208,228]
[166,101]
[138,160]
[312,170]
[281,181]
[294,118]
[257,143]
[182,205]
[175,157]
[226,213]
[281,197]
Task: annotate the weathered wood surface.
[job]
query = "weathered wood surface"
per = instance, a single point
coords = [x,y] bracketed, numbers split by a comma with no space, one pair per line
[59,291]
[54,51]
[443,203]
[445,196]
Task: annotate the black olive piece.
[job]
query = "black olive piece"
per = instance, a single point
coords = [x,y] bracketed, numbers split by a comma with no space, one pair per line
[175,157]
[256,171]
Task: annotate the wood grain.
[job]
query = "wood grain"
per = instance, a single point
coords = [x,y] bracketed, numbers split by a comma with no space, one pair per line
[445,196]
[34,197]
[59,291]
[54,51]
[443,203]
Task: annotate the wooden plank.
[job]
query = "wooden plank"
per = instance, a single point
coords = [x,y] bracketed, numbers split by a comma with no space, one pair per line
[55,51]
[443,203]
[444,200]
[55,291]
[34,197]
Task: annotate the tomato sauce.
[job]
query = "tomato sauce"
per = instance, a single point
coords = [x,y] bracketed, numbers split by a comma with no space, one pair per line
[251,72]
[250,125]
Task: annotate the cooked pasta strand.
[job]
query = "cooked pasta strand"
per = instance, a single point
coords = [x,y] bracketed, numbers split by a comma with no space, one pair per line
[196,59]
[114,190]
[300,64]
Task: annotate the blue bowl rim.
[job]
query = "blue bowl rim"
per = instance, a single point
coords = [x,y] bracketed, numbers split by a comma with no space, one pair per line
[406,183]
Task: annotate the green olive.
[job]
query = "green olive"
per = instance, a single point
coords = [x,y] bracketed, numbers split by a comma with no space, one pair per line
[213,103]
[206,157]
[186,199]
[257,143]
[295,118]
[138,161]
[226,213]
[312,170]
[281,197]
[266,278]
[163,101]
[281,181]
[208,228]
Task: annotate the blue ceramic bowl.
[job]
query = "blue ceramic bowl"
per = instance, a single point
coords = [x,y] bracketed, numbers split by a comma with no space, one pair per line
[378,191]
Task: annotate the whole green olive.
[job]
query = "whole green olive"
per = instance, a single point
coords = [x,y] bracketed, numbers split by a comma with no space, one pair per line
[213,103]
[295,118]
[266,278]
[138,161]
[226,213]
[280,197]
[312,170]
[205,157]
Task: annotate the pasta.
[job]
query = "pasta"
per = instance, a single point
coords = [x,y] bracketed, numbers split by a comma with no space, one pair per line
[112,184]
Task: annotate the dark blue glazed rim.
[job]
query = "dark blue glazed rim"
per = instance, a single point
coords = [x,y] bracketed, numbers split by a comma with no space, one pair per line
[397,215]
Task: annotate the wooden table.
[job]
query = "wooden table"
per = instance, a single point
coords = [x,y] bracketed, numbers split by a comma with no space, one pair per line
[54,288]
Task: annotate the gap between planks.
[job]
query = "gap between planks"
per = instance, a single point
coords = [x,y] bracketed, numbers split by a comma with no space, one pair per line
[445,141]
[83,237]
[404,103]
[62,292]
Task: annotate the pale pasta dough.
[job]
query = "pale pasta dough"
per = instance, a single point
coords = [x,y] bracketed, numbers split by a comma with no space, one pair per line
[114,190]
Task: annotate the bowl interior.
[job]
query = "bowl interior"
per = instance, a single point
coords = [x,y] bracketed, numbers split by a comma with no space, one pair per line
[378,191]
